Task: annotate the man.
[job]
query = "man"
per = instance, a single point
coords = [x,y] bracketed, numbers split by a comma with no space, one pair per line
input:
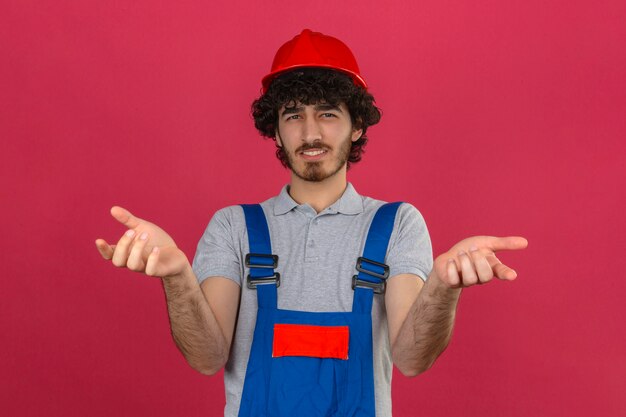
[274,295]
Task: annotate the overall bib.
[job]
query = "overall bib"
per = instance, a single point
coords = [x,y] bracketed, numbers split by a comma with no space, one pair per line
[308,364]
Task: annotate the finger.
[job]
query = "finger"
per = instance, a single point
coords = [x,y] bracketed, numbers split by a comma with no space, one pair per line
[505,243]
[120,255]
[453,274]
[125,217]
[104,248]
[153,261]
[500,270]
[483,269]
[135,259]
[468,276]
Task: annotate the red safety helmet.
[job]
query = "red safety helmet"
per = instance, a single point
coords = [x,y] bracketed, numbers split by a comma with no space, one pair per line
[314,49]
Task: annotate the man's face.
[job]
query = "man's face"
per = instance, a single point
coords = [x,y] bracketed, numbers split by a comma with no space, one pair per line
[316,139]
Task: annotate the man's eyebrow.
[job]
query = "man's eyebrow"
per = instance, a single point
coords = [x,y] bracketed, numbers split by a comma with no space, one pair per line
[318,107]
[292,110]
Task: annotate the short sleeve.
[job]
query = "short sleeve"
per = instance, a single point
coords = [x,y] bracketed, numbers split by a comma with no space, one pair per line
[410,250]
[218,253]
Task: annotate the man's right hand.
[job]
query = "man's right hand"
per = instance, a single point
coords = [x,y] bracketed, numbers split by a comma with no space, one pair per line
[144,247]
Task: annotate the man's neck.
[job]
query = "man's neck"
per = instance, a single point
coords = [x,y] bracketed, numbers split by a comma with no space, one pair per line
[318,195]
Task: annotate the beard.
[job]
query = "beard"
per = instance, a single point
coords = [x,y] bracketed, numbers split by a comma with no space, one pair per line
[313,171]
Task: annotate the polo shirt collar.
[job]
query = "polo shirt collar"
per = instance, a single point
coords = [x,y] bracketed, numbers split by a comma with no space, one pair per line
[350,202]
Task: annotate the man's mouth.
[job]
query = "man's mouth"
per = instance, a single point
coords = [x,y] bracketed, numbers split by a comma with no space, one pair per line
[314,154]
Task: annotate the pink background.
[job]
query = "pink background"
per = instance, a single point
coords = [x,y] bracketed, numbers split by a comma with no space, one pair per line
[499,118]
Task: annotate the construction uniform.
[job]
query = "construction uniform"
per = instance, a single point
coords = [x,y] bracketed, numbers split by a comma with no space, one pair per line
[347,373]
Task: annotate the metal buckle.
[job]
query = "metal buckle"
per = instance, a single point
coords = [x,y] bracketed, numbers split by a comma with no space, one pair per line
[274,258]
[359,267]
[378,287]
[273,279]
[253,282]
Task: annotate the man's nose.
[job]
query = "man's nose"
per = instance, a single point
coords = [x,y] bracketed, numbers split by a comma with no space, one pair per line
[312,131]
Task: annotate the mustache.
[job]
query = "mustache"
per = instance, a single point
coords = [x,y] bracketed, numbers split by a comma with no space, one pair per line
[314,145]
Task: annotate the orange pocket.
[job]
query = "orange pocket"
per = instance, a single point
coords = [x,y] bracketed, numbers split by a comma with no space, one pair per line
[313,341]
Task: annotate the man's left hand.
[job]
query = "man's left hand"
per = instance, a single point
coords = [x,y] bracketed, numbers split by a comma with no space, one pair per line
[473,261]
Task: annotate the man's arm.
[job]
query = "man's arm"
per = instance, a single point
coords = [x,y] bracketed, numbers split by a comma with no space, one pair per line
[202,318]
[420,333]
[420,317]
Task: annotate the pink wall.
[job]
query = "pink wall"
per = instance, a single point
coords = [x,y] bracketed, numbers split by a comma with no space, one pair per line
[499,118]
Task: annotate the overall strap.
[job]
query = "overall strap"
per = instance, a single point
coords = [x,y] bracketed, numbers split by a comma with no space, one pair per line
[371,266]
[260,260]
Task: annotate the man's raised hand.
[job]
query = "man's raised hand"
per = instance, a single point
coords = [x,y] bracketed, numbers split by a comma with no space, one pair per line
[473,261]
[144,247]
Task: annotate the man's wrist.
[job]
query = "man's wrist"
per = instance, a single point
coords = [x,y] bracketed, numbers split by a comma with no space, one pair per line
[181,277]
[439,290]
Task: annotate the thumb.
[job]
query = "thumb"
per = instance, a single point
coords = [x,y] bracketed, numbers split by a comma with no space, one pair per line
[507,243]
[125,217]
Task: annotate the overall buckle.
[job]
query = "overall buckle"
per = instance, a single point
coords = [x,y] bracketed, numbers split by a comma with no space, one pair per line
[378,287]
[253,282]
[249,257]
[273,279]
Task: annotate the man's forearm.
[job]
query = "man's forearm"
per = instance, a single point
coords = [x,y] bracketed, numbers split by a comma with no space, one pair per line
[427,329]
[194,326]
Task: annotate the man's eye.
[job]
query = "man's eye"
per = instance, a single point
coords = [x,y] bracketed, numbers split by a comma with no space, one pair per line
[294,116]
[328,115]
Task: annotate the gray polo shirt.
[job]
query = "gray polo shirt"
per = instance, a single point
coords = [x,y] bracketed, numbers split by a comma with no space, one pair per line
[317,257]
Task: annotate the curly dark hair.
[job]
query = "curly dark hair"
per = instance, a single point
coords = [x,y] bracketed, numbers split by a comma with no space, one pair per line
[312,86]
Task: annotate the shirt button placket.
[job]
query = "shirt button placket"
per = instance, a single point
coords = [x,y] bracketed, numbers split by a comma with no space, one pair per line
[310,249]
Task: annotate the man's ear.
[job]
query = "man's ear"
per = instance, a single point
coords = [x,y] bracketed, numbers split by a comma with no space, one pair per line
[357,133]
[277,138]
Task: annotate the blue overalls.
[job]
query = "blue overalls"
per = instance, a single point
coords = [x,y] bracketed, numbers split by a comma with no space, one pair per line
[312,364]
